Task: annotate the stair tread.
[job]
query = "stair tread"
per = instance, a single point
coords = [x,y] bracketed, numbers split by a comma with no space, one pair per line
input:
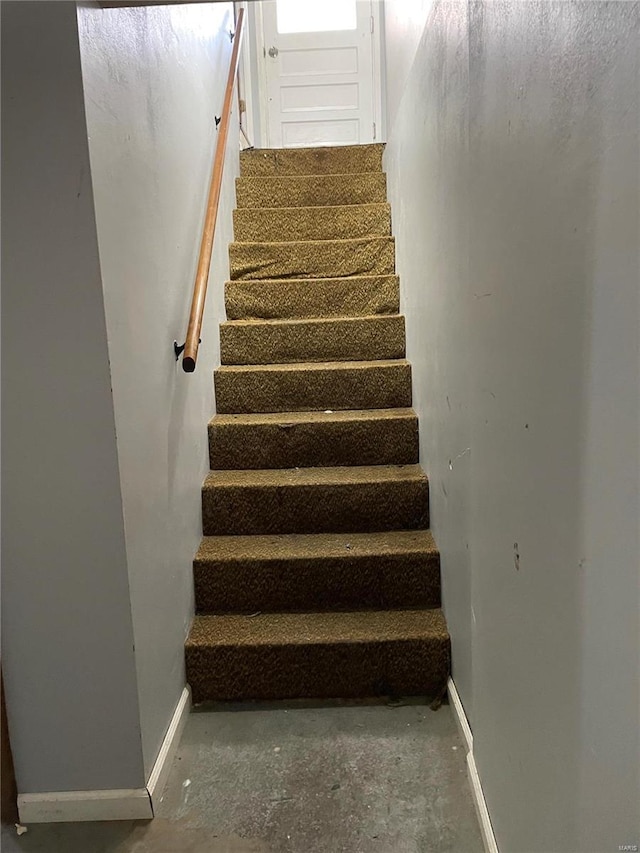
[313,385]
[302,190]
[308,282]
[327,150]
[375,180]
[292,546]
[254,341]
[312,176]
[326,627]
[356,296]
[293,477]
[313,222]
[341,258]
[306,321]
[356,220]
[312,160]
[313,438]
[312,366]
[279,244]
[320,208]
[345,415]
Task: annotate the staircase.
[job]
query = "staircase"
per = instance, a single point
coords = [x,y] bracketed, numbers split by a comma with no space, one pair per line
[317,575]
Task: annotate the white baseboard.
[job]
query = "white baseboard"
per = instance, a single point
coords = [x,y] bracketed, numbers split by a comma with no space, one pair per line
[162,766]
[72,806]
[486,829]
[489,839]
[125,804]
[461,718]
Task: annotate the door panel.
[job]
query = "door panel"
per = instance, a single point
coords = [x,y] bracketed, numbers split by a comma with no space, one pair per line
[342,96]
[307,134]
[313,61]
[320,84]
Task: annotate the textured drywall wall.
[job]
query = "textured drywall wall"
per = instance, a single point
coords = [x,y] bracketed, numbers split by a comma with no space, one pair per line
[404,22]
[428,185]
[67,636]
[154,80]
[513,169]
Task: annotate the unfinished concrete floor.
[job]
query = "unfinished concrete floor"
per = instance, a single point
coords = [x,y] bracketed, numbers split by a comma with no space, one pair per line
[297,779]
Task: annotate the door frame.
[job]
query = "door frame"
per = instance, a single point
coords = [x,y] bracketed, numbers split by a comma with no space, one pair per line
[259,93]
[248,72]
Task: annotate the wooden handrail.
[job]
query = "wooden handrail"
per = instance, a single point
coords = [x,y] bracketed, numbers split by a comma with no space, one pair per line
[206,245]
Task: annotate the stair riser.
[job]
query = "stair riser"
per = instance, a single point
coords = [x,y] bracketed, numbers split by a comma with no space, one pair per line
[321,298]
[340,583]
[344,670]
[308,445]
[348,507]
[312,259]
[318,390]
[311,191]
[311,223]
[316,161]
[367,340]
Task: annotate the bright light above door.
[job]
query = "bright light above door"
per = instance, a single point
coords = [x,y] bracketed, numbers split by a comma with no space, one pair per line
[303,16]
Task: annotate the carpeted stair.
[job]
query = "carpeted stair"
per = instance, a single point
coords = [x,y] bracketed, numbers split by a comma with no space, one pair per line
[312,258]
[311,190]
[317,575]
[358,296]
[308,439]
[313,385]
[326,339]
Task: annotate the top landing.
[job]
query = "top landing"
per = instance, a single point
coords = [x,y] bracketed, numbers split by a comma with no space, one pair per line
[330,160]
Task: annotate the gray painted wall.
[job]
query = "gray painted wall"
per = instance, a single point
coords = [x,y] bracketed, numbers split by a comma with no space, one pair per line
[403,26]
[426,161]
[100,245]
[66,621]
[154,80]
[514,172]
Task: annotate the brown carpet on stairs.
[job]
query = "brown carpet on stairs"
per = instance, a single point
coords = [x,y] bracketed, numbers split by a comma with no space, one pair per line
[297,387]
[317,572]
[315,500]
[305,439]
[269,224]
[326,654]
[325,339]
[313,258]
[358,296]
[312,161]
[311,190]
[317,575]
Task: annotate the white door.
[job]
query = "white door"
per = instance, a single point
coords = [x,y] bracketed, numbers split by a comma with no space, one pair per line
[322,72]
